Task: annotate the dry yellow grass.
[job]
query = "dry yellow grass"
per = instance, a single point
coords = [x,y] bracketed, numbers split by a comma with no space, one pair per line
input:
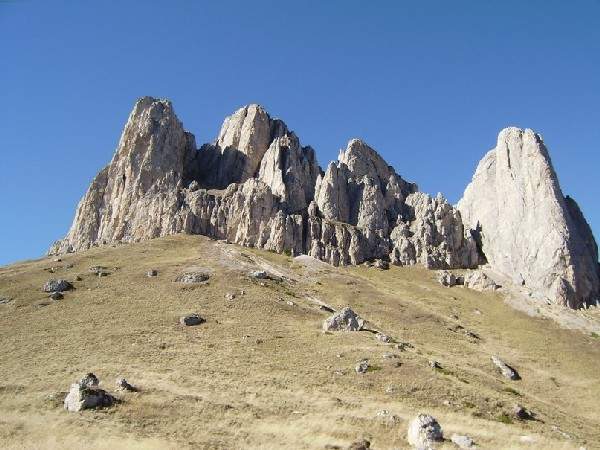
[260,373]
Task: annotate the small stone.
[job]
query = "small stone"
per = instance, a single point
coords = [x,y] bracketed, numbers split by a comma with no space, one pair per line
[360,445]
[362,366]
[461,440]
[56,296]
[402,346]
[90,381]
[193,186]
[390,356]
[344,320]
[447,279]
[123,385]
[381,264]
[192,277]
[423,431]
[57,260]
[78,278]
[5,300]
[229,296]
[152,273]
[191,320]
[57,286]
[290,303]
[434,365]
[521,413]
[505,369]
[383,338]
[259,275]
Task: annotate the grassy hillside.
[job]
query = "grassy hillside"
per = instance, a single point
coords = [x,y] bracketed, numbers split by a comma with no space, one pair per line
[260,373]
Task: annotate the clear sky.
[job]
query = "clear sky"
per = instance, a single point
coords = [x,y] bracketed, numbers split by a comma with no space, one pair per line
[429,84]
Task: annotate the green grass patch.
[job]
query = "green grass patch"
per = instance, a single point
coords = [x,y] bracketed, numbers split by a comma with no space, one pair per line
[373,368]
[595,335]
[504,418]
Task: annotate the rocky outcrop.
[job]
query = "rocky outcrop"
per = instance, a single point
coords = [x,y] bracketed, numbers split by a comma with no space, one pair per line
[527,229]
[136,196]
[433,235]
[256,185]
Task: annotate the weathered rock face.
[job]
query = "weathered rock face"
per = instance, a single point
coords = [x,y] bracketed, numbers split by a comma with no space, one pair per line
[257,186]
[433,236]
[236,155]
[528,229]
[135,196]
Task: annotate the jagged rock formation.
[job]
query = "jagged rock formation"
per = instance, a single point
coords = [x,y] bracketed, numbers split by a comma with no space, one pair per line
[528,229]
[257,186]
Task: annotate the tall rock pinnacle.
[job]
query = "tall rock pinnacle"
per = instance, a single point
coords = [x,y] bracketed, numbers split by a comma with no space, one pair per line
[529,230]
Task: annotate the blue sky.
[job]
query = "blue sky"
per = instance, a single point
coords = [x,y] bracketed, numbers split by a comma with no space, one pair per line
[429,84]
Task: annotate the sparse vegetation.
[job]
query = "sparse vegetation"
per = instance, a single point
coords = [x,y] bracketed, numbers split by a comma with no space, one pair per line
[205,386]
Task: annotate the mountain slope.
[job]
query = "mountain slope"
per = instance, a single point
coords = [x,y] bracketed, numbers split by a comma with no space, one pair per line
[261,373]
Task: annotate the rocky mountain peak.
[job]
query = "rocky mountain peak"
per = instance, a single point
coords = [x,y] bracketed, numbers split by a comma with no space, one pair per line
[257,185]
[529,230]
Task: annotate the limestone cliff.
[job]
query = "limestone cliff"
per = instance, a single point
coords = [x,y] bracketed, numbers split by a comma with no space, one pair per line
[528,229]
[257,185]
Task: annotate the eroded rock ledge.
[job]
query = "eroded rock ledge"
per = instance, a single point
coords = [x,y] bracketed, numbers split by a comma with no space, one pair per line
[256,185]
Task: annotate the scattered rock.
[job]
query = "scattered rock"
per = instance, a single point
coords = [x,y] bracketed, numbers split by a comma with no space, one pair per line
[90,381]
[402,346]
[344,320]
[191,320]
[447,279]
[57,286]
[85,394]
[96,269]
[57,260]
[5,300]
[423,431]
[152,273]
[381,264]
[360,445]
[521,413]
[57,296]
[479,281]
[462,441]
[123,385]
[434,365]
[229,296]
[362,366]
[389,356]
[78,278]
[383,338]
[505,369]
[192,277]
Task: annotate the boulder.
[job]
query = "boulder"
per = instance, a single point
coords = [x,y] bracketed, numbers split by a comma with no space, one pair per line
[123,385]
[506,370]
[85,394]
[191,320]
[447,279]
[479,281]
[424,431]
[525,226]
[462,441]
[192,277]
[57,286]
[362,366]
[343,320]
